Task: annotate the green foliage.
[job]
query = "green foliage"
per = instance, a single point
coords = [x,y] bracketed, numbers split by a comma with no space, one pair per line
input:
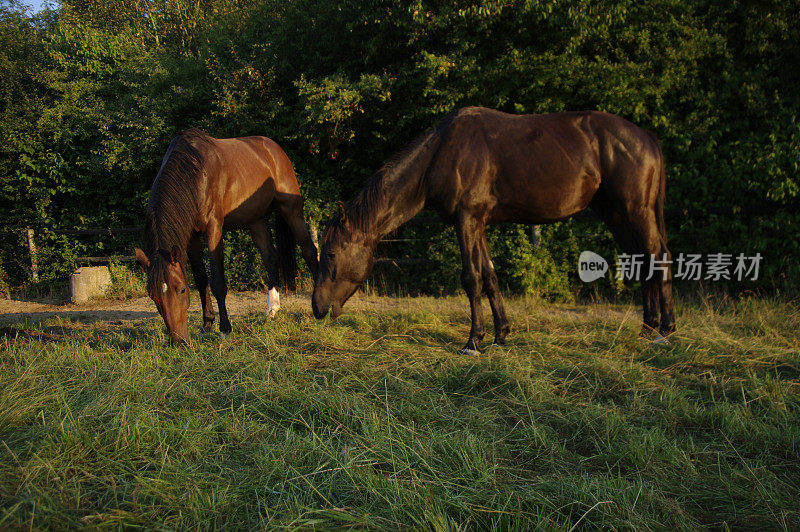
[4,287]
[244,268]
[528,269]
[93,92]
[127,281]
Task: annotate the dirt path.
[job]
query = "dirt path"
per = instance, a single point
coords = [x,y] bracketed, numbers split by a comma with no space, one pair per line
[135,309]
[239,304]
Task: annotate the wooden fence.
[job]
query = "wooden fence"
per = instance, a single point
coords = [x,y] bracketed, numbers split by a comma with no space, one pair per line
[425,219]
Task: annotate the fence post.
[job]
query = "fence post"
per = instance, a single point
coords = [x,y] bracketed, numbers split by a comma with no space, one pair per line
[536,235]
[32,250]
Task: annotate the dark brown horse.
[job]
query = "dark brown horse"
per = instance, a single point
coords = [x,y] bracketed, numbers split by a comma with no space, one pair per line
[479,166]
[207,186]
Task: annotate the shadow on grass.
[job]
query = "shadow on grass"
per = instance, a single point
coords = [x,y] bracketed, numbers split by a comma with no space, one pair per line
[680,363]
[485,379]
[81,316]
[120,336]
[417,327]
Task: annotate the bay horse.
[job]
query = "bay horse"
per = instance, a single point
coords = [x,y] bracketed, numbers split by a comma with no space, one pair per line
[480,166]
[207,186]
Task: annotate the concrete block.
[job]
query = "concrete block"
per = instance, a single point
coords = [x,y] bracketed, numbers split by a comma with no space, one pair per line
[88,282]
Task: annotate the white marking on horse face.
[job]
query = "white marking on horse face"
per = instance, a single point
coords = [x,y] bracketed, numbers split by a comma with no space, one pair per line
[164,287]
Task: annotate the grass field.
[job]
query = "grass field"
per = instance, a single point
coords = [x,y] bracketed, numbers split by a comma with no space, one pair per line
[375,421]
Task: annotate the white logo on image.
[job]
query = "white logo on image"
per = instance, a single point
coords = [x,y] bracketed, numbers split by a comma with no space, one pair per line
[591,266]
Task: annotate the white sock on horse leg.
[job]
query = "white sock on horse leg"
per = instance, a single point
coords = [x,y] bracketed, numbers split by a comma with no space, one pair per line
[273,302]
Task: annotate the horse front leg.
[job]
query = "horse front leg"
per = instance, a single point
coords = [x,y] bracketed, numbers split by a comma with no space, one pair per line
[195,254]
[218,285]
[491,286]
[292,213]
[468,232]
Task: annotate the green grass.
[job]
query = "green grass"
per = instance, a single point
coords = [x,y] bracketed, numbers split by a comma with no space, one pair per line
[375,421]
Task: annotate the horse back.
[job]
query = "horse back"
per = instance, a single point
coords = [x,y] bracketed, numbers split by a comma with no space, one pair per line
[243,177]
[536,168]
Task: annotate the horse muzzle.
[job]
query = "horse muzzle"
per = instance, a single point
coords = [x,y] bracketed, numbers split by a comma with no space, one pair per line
[179,338]
[179,341]
[319,307]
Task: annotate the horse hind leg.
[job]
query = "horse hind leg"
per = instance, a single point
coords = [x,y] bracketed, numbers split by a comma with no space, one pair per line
[634,237]
[657,284]
[259,232]
[665,292]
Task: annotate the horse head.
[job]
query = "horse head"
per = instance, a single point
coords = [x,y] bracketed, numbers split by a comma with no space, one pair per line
[345,262]
[167,287]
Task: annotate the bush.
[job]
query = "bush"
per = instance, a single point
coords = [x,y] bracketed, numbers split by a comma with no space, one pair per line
[92,95]
[127,281]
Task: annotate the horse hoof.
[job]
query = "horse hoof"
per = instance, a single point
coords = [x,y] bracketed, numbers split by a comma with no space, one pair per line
[470,352]
[660,340]
[223,335]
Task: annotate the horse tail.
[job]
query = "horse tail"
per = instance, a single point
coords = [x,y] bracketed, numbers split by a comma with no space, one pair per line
[287,262]
[662,189]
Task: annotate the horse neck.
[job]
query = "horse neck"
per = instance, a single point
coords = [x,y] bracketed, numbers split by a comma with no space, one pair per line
[399,191]
[402,199]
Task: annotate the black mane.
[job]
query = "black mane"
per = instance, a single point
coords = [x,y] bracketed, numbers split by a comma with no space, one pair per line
[361,211]
[174,202]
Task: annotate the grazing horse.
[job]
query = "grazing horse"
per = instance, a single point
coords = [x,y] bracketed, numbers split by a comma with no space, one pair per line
[207,186]
[479,166]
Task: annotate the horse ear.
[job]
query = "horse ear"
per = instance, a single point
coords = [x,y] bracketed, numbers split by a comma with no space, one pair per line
[175,255]
[141,257]
[342,212]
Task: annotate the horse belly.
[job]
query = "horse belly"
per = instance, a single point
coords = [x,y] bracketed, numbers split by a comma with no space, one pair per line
[524,207]
[246,202]
[544,190]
